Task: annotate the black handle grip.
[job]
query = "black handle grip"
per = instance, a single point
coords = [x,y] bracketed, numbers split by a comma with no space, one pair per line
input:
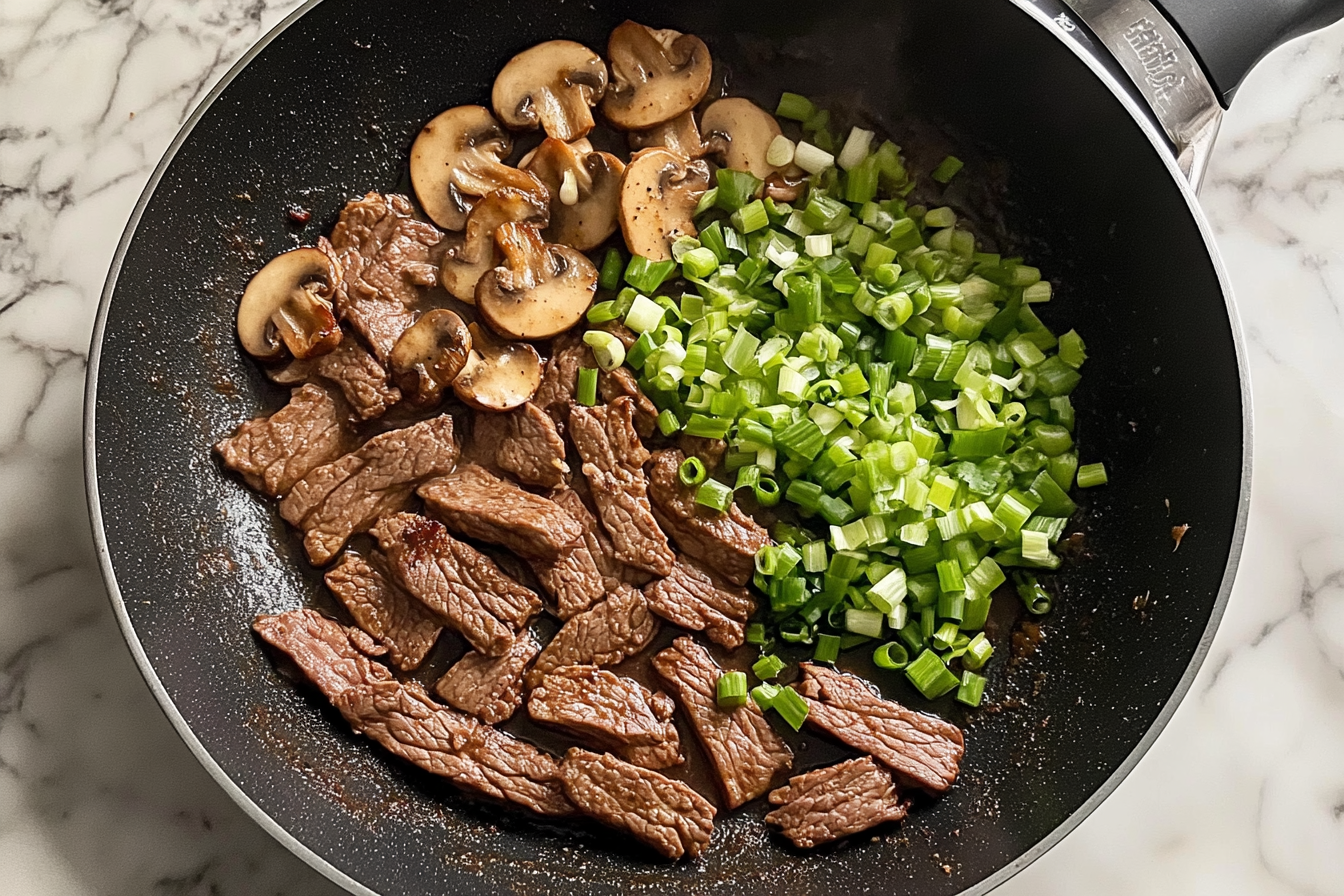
[1231,36]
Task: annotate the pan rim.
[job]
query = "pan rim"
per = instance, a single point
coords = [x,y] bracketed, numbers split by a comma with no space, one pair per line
[341,878]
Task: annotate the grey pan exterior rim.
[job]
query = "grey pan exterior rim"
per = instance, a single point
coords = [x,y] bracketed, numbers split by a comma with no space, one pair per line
[321,865]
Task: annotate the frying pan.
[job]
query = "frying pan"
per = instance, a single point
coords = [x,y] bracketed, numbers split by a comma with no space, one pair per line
[1082,126]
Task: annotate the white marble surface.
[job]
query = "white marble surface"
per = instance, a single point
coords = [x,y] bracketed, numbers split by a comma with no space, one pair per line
[1243,794]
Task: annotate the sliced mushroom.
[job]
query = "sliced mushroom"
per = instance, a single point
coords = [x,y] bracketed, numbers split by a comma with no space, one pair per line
[541,289]
[466,262]
[655,75]
[680,135]
[585,192]
[658,197]
[430,355]
[739,133]
[287,305]
[457,158]
[553,85]
[499,376]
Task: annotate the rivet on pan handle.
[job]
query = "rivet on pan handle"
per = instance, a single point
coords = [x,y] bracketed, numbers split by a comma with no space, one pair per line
[1165,71]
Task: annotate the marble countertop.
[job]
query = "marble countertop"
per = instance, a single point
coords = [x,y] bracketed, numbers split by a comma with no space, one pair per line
[1243,793]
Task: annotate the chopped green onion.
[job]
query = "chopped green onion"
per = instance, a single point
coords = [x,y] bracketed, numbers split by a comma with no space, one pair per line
[763,695]
[732,690]
[692,471]
[751,217]
[768,667]
[827,649]
[812,159]
[930,675]
[791,707]
[756,633]
[586,394]
[1038,601]
[668,424]
[714,494]
[947,169]
[795,107]
[609,277]
[972,689]
[646,276]
[864,622]
[645,314]
[608,351]
[977,652]
[736,189]
[855,149]
[1072,351]
[1090,475]
[891,655]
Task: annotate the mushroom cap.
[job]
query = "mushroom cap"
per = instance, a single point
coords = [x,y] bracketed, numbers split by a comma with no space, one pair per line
[739,132]
[430,354]
[587,223]
[287,305]
[680,135]
[553,85]
[498,376]
[542,289]
[464,263]
[655,75]
[658,197]
[457,157]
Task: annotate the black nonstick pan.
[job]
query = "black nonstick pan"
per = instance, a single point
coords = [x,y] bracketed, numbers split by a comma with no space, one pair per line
[1081,127]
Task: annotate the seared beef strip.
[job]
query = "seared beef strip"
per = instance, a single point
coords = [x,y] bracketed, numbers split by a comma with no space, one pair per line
[525,443]
[352,369]
[380,607]
[833,802]
[744,751]
[581,575]
[923,750]
[605,710]
[696,598]
[385,258]
[272,453]
[462,586]
[613,458]
[560,377]
[490,688]
[667,815]
[599,542]
[606,633]
[710,451]
[726,542]
[621,382]
[477,503]
[403,718]
[338,499]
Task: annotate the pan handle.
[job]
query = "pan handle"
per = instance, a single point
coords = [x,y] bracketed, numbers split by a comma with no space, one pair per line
[1188,84]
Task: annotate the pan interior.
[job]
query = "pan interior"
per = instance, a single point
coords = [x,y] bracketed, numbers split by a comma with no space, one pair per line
[1058,172]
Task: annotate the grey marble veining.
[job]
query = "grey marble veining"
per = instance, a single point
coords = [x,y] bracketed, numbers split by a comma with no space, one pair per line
[1243,794]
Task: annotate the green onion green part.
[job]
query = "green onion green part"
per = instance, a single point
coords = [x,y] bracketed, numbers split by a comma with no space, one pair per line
[732,690]
[587,389]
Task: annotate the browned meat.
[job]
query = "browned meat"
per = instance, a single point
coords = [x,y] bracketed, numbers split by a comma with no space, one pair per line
[711,451]
[380,607]
[613,459]
[403,718]
[599,542]
[490,688]
[606,633]
[577,578]
[923,750]
[605,710]
[744,751]
[621,382]
[462,586]
[272,453]
[726,542]
[385,258]
[525,443]
[336,500]
[477,503]
[833,802]
[666,815]
[560,378]
[697,598]
[351,368]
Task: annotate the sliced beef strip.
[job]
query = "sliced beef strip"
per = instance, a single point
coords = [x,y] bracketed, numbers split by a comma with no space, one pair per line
[403,718]
[697,598]
[272,453]
[621,382]
[666,815]
[524,443]
[613,459]
[579,577]
[599,542]
[744,751]
[560,377]
[336,500]
[606,633]
[725,542]
[386,259]
[710,451]
[477,503]
[833,802]
[462,586]
[384,610]
[490,688]
[359,376]
[923,750]
[610,712]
